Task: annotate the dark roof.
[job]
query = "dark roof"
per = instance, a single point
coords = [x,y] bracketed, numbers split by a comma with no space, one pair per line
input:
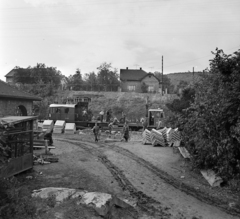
[16,119]
[11,73]
[132,74]
[10,92]
[150,74]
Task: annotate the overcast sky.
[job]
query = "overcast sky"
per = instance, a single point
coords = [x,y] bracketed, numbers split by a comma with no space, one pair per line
[71,34]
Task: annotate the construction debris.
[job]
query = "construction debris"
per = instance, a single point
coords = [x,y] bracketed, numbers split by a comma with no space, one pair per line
[44,160]
[184,152]
[103,203]
[212,178]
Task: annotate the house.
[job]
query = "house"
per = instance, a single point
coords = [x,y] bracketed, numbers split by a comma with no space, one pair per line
[14,102]
[9,76]
[132,80]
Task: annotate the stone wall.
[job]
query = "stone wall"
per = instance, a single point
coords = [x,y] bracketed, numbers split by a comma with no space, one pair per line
[9,107]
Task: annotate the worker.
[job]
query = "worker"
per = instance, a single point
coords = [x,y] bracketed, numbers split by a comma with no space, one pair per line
[109,114]
[96,129]
[145,123]
[48,136]
[125,132]
[110,126]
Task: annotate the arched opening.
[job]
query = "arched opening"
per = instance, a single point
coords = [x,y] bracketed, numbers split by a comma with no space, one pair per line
[21,110]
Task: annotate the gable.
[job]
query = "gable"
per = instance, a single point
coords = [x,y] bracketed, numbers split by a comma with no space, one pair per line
[11,73]
[150,76]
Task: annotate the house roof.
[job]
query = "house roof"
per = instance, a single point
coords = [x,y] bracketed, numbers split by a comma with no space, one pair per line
[8,91]
[150,74]
[11,73]
[132,74]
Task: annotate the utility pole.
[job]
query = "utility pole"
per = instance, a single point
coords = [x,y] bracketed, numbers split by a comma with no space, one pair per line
[193,75]
[162,76]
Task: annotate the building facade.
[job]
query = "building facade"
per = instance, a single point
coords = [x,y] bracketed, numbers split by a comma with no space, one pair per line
[132,80]
[14,102]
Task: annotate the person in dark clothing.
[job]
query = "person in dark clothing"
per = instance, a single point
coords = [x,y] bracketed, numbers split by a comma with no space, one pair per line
[48,136]
[96,129]
[126,132]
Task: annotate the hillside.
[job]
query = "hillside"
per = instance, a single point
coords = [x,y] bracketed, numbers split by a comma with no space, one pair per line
[132,104]
[183,76]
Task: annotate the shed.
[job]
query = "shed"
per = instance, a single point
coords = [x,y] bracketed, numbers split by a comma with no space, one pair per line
[16,137]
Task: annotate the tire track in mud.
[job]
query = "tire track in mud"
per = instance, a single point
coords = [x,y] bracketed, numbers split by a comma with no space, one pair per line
[145,203]
[198,194]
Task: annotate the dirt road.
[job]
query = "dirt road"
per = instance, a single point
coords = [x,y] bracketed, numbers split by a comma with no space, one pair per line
[130,171]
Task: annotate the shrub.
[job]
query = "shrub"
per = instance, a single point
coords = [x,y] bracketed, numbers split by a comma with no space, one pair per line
[16,203]
[211,125]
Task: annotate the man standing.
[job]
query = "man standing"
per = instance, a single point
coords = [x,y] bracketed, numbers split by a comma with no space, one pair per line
[126,131]
[96,131]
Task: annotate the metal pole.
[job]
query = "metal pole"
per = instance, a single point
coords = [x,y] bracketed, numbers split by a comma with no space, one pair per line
[162,76]
[193,75]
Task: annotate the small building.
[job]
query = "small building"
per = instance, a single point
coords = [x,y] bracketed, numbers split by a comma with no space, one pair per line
[10,76]
[133,80]
[14,102]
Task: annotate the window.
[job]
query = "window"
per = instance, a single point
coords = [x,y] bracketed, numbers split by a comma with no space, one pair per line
[150,88]
[66,110]
[131,87]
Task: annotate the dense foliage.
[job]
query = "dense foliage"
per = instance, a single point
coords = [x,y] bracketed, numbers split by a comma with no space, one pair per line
[106,79]
[211,125]
[38,74]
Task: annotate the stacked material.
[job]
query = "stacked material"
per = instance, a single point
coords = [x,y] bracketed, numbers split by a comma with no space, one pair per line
[146,138]
[157,138]
[174,136]
[47,125]
[70,128]
[59,126]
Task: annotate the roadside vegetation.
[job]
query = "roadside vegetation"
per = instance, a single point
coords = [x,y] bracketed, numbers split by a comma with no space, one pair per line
[208,114]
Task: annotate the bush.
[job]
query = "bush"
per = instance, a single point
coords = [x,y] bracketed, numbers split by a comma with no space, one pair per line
[211,125]
[15,203]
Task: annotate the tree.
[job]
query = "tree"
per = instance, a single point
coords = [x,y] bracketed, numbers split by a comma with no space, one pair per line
[107,76]
[76,81]
[144,88]
[211,125]
[181,85]
[37,74]
[166,81]
[91,80]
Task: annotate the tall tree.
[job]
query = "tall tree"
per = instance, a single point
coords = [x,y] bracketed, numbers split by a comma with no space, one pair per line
[76,81]
[91,80]
[107,76]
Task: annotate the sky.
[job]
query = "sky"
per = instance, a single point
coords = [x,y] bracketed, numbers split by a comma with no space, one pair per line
[71,34]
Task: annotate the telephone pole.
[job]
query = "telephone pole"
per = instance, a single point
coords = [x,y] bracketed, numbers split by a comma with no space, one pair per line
[162,76]
[193,75]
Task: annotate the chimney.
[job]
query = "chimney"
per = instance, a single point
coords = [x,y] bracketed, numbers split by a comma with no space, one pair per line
[140,68]
[127,68]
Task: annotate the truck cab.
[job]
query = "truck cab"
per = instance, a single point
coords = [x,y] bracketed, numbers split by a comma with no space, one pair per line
[154,117]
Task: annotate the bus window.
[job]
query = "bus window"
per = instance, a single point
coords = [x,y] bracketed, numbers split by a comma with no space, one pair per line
[58,110]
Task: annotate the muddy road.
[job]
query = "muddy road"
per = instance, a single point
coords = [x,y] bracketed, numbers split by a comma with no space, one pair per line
[127,174]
